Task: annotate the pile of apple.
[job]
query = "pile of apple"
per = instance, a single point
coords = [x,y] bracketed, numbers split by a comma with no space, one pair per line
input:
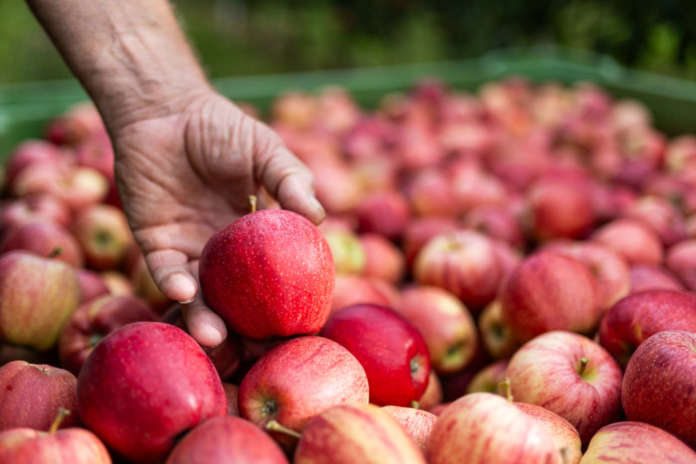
[504,277]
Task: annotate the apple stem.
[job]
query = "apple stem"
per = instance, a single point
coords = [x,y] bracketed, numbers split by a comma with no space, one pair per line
[583,365]
[415,404]
[504,387]
[56,252]
[275,426]
[62,414]
[252,203]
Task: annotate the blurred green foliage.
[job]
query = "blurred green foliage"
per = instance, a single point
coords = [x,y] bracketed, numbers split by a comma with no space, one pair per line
[236,37]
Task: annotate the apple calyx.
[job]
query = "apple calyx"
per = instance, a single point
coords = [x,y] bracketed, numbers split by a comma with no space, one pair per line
[62,414]
[415,404]
[583,365]
[56,252]
[269,408]
[94,340]
[505,389]
[252,203]
[275,426]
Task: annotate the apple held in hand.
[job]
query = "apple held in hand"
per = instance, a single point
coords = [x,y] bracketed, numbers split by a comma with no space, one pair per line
[354,433]
[298,380]
[416,422]
[145,384]
[570,375]
[636,443]
[226,439]
[549,291]
[638,316]
[93,321]
[658,386]
[65,446]
[392,351]
[37,296]
[32,394]
[269,273]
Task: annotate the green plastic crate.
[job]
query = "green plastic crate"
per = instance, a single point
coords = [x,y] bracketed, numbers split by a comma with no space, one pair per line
[25,108]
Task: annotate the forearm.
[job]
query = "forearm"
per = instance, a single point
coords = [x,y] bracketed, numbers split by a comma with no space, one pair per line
[130,55]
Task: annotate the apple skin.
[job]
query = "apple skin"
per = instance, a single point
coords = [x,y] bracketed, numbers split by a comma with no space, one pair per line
[348,254]
[419,232]
[588,400]
[653,278]
[496,336]
[31,394]
[489,378]
[164,382]
[93,321]
[497,222]
[432,396]
[353,433]
[549,291]
[636,443]
[445,324]
[33,208]
[91,285]
[661,216]
[27,153]
[351,290]
[44,239]
[383,260]
[486,428]
[417,423]
[37,296]
[226,439]
[391,350]
[65,446]
[562,432]
[658,385]
[462,262]
[635,318]
[117,283]
[633,240]
[560,209]
[430,194]
[232,395]
[275,262]
[298,380]
[104,235]
[681,260]
[383,213]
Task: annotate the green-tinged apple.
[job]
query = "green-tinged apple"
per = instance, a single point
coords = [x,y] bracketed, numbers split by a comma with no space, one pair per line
[93,321]
[37,296]
[354,433]
[383,260]
[636,443]
[549,291]
[390,349]
[570,375]
[638,316]
[65,446]
[270,273]
[445,323]
[104,235]
[32,394]
[658,385]
[496,336]
[144,385]
[226,439]
[346,249]
[416,422]
[117,283]
[298,380]
[489,378]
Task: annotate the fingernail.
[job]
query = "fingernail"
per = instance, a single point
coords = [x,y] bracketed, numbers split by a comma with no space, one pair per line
[209,335]
[183,287]
[318,209]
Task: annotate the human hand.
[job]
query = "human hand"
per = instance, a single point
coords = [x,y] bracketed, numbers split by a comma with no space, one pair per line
[186,173]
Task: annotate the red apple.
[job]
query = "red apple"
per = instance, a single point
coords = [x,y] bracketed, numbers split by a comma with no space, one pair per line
[653,278]
[351,290]
[34,208]
[384,213]
[549,291]
[299,379]
[37,296]
[226,439]
[658,386]
[145,384]
[429,193]
[349,256]
[117,283]
[472,186]
[44,239]
[277,263]
[486,428]
[416,147]
[232,394]
[496,335]
[419,232]
[635,442]
[661,216]
[570,375]
[78,123]
[489,378]
[93,321]
[383,260]
[31,395]
[27,153]
[91,285]
[358,433]
[638,316]
[497,222]
[562,432]
[337,186]
[391,350]
[462,262]
[681,260]
[96,152]
[560,209]
[66,446]
[432,396]
[417,423]
[77,187]
[637,243]
[104,235]
[445,324]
